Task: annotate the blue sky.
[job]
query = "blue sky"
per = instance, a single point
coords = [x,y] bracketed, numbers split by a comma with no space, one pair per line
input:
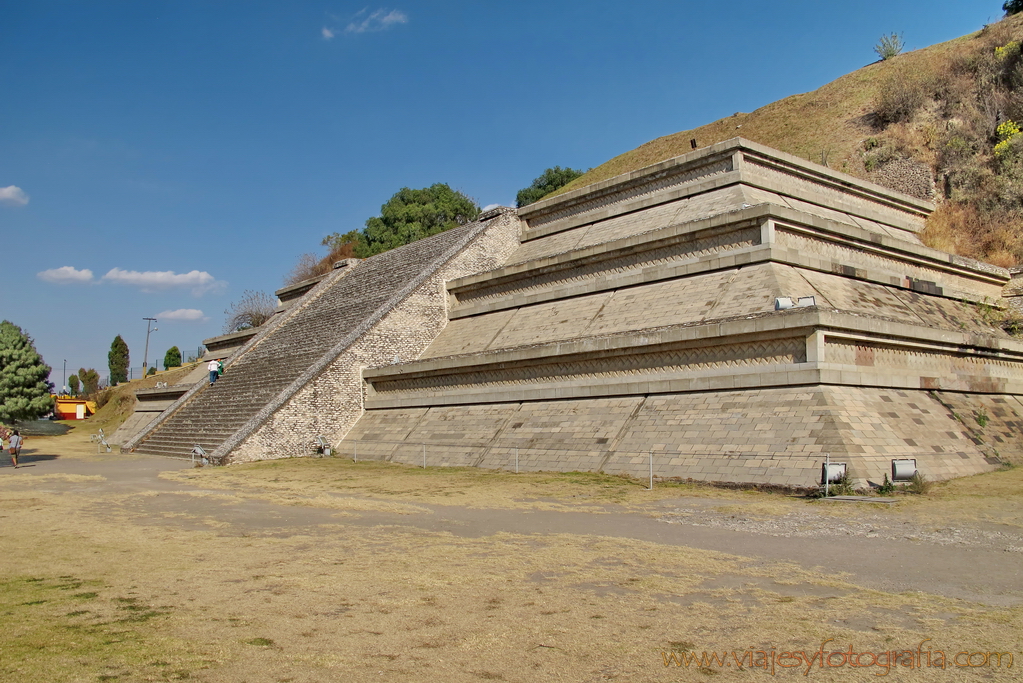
[158,159]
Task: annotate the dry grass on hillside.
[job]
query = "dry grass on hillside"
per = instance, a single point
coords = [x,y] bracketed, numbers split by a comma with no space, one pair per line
[937,108]
[118,402]
[833,120]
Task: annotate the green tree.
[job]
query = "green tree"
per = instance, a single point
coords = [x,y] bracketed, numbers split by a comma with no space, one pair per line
[24,386]
[172,358]
[90,381]
[551,180]
[1012,7]
[117,361]
[152,371]
[889,46]
[408,216]
[73,385]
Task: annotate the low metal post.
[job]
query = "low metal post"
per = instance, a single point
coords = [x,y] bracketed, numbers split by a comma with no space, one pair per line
[651,454]
[424,456]
[827,472]
[516,461]
[356,450]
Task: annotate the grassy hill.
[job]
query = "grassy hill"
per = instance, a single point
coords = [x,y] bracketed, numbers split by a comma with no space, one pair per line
[925,122]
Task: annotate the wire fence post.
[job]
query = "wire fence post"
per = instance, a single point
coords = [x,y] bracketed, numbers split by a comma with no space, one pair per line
[516,461]
[651,454]
[356,450]
[424,456]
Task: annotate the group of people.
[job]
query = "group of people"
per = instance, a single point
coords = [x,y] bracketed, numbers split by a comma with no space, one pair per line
[216,368]
[14,441]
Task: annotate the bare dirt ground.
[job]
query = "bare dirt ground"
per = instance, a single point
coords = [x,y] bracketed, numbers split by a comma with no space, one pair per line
[128,568]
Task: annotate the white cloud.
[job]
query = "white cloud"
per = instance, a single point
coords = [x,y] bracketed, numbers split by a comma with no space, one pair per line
[65,275]
[379,20]
[153,280]
[326,33]
[182,314]
[12,194]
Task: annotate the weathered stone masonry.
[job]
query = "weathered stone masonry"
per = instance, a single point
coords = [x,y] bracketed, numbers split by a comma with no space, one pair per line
[300,378]
[641,315]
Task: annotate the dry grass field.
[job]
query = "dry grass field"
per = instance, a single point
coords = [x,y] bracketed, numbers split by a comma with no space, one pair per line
[122,568]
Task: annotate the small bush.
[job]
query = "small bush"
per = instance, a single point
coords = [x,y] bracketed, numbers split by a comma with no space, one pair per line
[919,485]
[1007,132]
[843,487]
[887,488]
[898,97]
[102,398]
[981,417]
[889,46]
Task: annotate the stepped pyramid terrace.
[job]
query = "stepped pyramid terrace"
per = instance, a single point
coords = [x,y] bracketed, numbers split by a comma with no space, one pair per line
[732,315]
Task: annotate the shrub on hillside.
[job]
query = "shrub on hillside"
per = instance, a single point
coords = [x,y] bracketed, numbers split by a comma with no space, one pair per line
[899,96]
[252,310]
[889,46]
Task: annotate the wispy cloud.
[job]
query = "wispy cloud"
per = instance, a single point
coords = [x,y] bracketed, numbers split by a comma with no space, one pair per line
[379,20]
[190,314]
[200,282]
[14,195]
[326,33]
[65,275]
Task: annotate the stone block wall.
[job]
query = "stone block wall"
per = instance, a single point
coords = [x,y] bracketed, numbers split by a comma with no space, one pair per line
[328,399]
[776,436]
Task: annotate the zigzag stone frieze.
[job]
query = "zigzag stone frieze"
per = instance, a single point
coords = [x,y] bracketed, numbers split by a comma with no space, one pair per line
[648,186]
[683,248]
[944,363]
[773,351]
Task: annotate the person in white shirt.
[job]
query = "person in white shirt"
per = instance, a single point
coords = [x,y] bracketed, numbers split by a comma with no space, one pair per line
[14,447]
[214,367]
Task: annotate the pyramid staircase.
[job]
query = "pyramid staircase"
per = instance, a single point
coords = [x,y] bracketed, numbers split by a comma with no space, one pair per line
[276,363]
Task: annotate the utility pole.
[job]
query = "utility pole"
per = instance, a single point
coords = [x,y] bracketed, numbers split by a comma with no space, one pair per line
[63,388]
[145,354]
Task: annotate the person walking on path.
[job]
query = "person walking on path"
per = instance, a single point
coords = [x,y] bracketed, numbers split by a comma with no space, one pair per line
[14,447]
[214,368]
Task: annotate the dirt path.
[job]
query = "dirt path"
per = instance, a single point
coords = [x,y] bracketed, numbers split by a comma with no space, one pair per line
[122,567]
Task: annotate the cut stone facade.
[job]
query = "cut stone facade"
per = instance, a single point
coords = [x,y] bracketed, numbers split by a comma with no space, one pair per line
[299,377]
[637,323]
[643,323]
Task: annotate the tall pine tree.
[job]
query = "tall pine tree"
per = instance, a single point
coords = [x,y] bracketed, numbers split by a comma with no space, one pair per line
[117,361]
[24,386]
[172,358]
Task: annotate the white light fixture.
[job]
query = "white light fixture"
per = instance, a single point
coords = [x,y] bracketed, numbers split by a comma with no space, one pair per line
[832,472]
[903,469]
[785,302]
[782,303]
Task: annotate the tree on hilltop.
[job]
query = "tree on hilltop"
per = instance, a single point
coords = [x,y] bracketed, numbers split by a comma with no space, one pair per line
[117,361]
[408,216]
[1012,7]
[172,358]
[551,180]
[24,377]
